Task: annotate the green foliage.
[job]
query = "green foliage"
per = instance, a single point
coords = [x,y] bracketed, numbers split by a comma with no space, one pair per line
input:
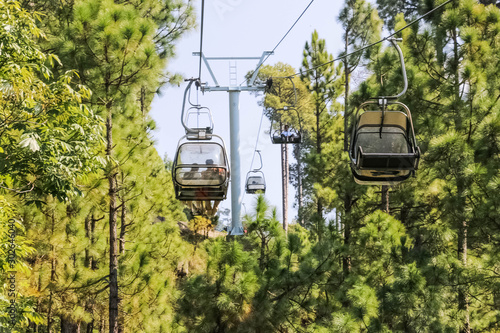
[49,139]
[287,101]
[361,26]
[119,51]
[429,266]
[388,10]
[324,82]
[227,286]
[16,301]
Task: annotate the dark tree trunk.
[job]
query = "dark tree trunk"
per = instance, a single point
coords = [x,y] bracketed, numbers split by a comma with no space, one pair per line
[123,227]
[346,258]
[319,206]
[113,253]
[89,327]
[319,140]
[385,198]
[92,239]
[52,276]
[299,185]
[49,314]
[463,299]
[88,228]
[262,252]
[285,179]
[102,326]
[67,326]
[346,92]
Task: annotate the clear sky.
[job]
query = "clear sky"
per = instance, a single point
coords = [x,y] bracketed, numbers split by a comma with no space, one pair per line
[244,28]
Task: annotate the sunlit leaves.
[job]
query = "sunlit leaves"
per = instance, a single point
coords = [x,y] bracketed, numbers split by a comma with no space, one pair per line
[39,112]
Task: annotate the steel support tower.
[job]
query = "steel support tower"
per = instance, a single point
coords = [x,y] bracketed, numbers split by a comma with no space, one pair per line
[234,128]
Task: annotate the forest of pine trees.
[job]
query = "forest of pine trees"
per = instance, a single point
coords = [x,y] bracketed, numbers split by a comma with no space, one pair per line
[88,204]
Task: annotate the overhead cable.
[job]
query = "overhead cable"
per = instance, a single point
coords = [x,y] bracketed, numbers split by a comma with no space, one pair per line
[255,149]
[201,37]
[281,40]
[378,42]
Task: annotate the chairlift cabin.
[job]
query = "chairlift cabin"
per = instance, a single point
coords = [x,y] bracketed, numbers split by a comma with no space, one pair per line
[286,134]
[255,182]
[255,179]
[200,170]
[383,148]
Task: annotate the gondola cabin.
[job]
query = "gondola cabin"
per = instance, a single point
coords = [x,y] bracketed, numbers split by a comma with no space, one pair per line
[200,171]
[255,182]
[383,148]
[287,135]
[280,117]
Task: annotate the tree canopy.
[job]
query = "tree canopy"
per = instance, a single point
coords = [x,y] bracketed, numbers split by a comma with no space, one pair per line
[92,238]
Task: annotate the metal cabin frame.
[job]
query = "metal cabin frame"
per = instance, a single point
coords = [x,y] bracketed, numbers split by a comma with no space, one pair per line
[200,189]
[387,166]
[384,168]
[254,186]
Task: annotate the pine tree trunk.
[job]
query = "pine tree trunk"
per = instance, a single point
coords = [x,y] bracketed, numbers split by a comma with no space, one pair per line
[284,173]
[463,299]
[346,92]
[113,254]
[299,184]
[52,276]
[89,327]
[49,314]
[385,198]
[262,252]
[346,260]
[67,326]
[319,206]
[102,327]
[123,227]
[88,228]
[93,220]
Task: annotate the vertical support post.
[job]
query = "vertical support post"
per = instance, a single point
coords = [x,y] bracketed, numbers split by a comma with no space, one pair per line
[385,198]
[234,124]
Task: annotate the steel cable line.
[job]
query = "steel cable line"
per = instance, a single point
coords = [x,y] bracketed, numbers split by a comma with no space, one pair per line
[255,149]
[201,36]
[198,81]
[375,43]
[281,40]
[257,141]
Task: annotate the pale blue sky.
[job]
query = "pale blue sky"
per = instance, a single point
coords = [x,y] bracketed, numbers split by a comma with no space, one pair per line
[244,28]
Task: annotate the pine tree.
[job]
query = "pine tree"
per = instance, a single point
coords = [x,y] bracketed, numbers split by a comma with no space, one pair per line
[287,102]
[119,50]
[357,33]
[324,82]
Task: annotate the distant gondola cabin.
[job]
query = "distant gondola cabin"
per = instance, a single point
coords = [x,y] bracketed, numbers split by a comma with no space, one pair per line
[255,182]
